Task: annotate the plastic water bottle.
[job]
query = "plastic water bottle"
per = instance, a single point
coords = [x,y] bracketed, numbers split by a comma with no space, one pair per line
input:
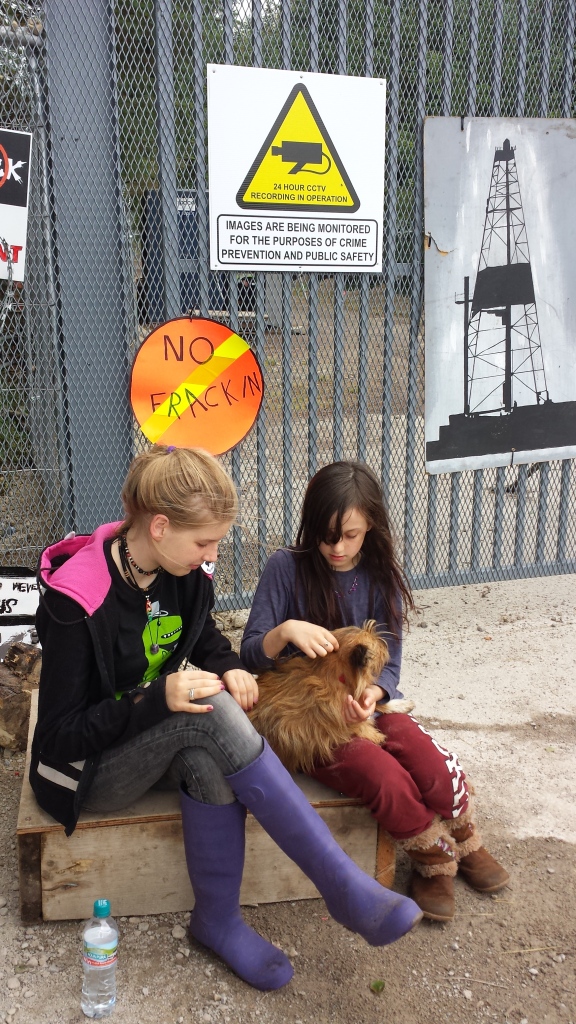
[100,954]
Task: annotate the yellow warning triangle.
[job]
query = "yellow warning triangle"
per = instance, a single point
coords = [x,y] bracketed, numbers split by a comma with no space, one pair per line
[298,168]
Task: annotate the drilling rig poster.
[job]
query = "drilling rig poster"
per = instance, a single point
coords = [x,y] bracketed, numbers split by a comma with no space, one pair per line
[296,170]
[500,291]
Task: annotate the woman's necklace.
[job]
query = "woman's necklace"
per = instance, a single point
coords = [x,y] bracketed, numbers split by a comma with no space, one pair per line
[354,587]
[351,590]
[123,540]
[127,562]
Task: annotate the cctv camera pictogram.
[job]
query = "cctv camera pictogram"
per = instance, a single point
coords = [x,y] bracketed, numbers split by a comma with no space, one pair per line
[301,154]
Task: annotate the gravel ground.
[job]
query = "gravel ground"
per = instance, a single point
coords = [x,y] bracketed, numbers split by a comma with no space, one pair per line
[492,672]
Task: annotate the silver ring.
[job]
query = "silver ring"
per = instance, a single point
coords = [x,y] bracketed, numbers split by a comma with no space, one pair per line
[326,643]
[191,694]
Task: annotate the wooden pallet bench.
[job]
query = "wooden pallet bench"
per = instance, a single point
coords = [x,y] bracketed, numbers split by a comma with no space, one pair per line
[135,857]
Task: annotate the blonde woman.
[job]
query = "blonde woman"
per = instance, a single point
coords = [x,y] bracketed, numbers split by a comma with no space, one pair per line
[121,611]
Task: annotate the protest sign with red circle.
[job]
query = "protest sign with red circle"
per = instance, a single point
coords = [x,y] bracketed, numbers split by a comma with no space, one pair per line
[15,149]
[195,383]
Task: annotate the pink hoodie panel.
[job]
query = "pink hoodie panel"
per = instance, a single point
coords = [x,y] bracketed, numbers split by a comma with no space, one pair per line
[85,576]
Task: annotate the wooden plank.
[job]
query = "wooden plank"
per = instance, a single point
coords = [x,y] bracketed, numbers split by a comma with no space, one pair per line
[320,795]
[385,859]
[121,863]
[28,809]
[29,872]
[140,868]
[155,805]
[271,877]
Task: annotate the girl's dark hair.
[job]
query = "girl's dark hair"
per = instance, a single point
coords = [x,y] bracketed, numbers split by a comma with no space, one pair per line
[332,492]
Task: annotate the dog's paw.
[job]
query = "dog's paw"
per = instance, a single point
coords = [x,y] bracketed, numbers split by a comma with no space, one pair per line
[397,707]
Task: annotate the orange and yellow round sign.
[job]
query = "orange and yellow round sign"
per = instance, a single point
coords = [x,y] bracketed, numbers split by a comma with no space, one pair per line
[196,384]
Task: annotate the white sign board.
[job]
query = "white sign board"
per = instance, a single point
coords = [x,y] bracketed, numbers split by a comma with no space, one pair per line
[18,596]
[296,170]
[500,281]
[14,177]
[18,603]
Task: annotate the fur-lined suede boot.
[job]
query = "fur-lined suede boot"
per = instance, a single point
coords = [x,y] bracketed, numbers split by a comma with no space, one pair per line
[432,880]
[475,864]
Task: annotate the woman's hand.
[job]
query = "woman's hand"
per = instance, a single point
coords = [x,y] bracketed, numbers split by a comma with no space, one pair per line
[242,686]
[183,688]
[358,711]
[314,641]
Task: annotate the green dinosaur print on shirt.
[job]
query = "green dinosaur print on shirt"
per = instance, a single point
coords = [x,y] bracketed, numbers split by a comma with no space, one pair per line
[165,631]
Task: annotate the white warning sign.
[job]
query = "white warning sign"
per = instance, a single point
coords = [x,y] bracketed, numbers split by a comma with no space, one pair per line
[312,243]
[296,151]
[300,182]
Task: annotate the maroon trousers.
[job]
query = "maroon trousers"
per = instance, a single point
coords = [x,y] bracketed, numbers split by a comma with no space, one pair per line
[405,783]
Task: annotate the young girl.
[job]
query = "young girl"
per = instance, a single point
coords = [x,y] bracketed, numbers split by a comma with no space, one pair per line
[342,571]
[122,609]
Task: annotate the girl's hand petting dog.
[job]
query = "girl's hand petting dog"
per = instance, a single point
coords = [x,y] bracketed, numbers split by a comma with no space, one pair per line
[314,641]
[307,709]
[363,708]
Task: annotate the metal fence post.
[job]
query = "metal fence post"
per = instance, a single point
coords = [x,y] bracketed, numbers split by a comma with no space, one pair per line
[168,192]
[93,317]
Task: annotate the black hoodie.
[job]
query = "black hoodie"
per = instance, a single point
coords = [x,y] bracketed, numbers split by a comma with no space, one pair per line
[78,714]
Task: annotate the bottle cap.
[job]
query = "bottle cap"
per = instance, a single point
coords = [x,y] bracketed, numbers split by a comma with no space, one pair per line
[101,908]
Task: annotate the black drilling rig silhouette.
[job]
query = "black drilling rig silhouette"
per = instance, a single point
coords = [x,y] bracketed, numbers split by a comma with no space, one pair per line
[507,407]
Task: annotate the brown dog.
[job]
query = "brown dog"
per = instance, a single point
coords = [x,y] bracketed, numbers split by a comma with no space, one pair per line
[300,708]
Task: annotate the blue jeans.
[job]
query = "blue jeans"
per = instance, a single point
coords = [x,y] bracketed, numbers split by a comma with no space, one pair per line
[196,751]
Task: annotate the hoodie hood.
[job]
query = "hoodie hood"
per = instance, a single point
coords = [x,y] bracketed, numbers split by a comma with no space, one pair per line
[84,575]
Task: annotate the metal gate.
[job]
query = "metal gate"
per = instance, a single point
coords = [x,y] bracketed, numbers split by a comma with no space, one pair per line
[118,239]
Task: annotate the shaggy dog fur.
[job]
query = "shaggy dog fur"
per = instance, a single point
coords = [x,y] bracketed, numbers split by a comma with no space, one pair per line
[301,700]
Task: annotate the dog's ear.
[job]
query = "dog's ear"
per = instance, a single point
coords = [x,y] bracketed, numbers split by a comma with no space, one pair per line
[359,656]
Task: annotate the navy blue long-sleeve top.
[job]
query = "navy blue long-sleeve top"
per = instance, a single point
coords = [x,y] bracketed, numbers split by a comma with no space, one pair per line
[275,602]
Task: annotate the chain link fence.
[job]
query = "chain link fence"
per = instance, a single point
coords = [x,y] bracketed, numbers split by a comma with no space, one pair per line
[114,92]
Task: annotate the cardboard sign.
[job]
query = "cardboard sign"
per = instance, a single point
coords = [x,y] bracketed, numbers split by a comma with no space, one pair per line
[299,183]
[196,384]
[18,603]
[18,596]
[14,178]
